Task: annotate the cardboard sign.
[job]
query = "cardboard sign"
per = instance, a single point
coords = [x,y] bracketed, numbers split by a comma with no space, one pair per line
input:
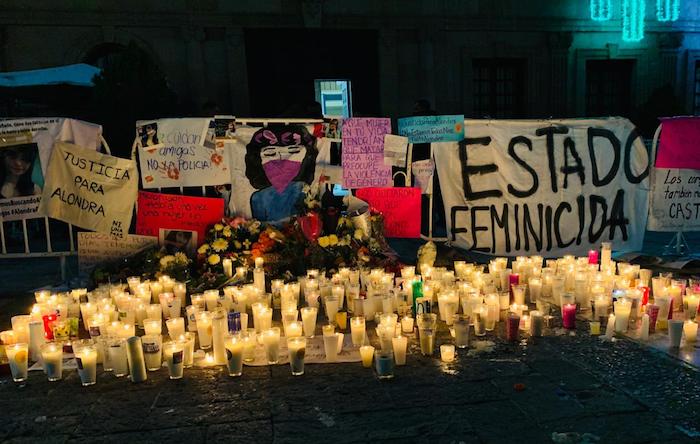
[422,171]
[428,129]
[401,208]
[90,190]
[363,153]
[395,150]
[175,212]
[679,143]
[99,248]
[545,187]
[675,200]
[32,140]
[179,159]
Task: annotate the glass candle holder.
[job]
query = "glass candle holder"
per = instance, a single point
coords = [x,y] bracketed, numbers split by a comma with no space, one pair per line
[384,364]
[297,351]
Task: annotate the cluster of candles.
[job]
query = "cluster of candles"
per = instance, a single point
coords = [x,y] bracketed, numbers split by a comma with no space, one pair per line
[125,322]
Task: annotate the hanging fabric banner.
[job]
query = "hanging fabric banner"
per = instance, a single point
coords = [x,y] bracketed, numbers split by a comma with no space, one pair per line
[545,187]
[90,190]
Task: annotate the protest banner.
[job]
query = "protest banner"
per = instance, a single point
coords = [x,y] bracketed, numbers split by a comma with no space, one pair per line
[99,248]
[178,158]
[428,129]
[675,200]
[90,190]
[679,143]
[401,208]
[270,167]
[545,187]
[173,212]
[363,153]
[24,153]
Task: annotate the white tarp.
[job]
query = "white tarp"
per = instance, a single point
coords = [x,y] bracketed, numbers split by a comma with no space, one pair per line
[549,187]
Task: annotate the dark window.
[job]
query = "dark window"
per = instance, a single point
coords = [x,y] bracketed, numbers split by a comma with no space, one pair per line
[499,87]
[696,103]
[609,87]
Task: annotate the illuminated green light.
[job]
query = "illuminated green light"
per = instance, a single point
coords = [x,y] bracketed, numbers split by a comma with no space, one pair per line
[668,10]
[601,10]
[632,20]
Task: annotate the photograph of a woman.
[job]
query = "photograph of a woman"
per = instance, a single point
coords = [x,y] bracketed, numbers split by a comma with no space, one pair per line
[279,162]
[17,171]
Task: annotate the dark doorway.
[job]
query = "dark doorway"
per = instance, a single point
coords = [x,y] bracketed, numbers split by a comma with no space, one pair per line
[609,87]
[283,64]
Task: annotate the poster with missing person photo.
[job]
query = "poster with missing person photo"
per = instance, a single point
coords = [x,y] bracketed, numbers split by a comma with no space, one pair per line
[21,177]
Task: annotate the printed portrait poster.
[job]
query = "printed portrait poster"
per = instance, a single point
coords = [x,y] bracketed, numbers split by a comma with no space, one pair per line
[25,149]
[90,190]
[179,158]
[270,168]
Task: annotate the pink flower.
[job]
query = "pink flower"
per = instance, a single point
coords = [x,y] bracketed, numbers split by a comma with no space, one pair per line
[239,220]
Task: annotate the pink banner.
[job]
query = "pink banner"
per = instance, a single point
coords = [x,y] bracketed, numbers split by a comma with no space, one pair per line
[401,208]
[679,145]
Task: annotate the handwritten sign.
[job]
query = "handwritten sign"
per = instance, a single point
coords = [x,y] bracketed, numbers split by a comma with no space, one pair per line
[180,159]
[679,142]
[675,200]
[363,153]
[428,129]
[90,190]
[175,212]
[545,187]
[395,150]
[422,171]
[401,208]
[99,248]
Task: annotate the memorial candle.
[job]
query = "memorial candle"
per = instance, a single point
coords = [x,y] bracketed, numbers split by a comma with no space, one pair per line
[259,277]
[535,286]
[447,352]
[399,344]
[536,323]
[512,327]
[653,313]
[593,257]
[690,331]
[569,316]
[623,308]
[610,327]
[644,332]
[690,303]
[366,353]
[227,264]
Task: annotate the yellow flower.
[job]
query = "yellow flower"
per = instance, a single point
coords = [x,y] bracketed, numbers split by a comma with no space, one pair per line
[332,239]
[214,259]
[359,234]
[181,258]
[227,232]
[238,245]
[218,227]
[166,260]
[219,245]
[323,241]
[203,249]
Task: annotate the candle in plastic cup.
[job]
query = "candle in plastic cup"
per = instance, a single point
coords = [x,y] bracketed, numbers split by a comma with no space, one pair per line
[308,319]
[271,341]
[384,363]
[447,352]
[154,311]
[595,328]
[332,303]
[204,329]
[512,327]
[690,331]
[407,324]
[187,341]
[427,341]
[622,315]
[461,326]
[52,357]
[250,342]
[234,354]
[86,360]
[152,351]
[18,356]
[366,353]
[176,327]
[479,318]
[357,329]
[536,323]
[117,357]
[675,331]
[294,329]
[399,345]
[173,355]
[330,346]
[297,350]
[653,312]
[152,326]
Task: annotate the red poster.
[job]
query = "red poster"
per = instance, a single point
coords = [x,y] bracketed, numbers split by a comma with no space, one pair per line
[174,212]
[401,208]
[679,145]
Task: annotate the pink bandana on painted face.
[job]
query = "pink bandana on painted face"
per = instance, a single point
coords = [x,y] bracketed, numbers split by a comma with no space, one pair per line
[282,164]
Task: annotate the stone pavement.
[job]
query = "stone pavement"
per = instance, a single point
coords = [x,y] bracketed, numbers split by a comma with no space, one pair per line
[617,391]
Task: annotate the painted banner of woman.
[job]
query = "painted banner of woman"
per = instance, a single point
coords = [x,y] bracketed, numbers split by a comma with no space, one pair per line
[279,161]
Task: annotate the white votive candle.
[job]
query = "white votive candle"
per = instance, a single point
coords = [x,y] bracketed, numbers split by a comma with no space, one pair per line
[399,344]
[447,352]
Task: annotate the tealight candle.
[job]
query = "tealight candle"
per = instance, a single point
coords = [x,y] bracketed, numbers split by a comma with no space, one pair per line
[447,352]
